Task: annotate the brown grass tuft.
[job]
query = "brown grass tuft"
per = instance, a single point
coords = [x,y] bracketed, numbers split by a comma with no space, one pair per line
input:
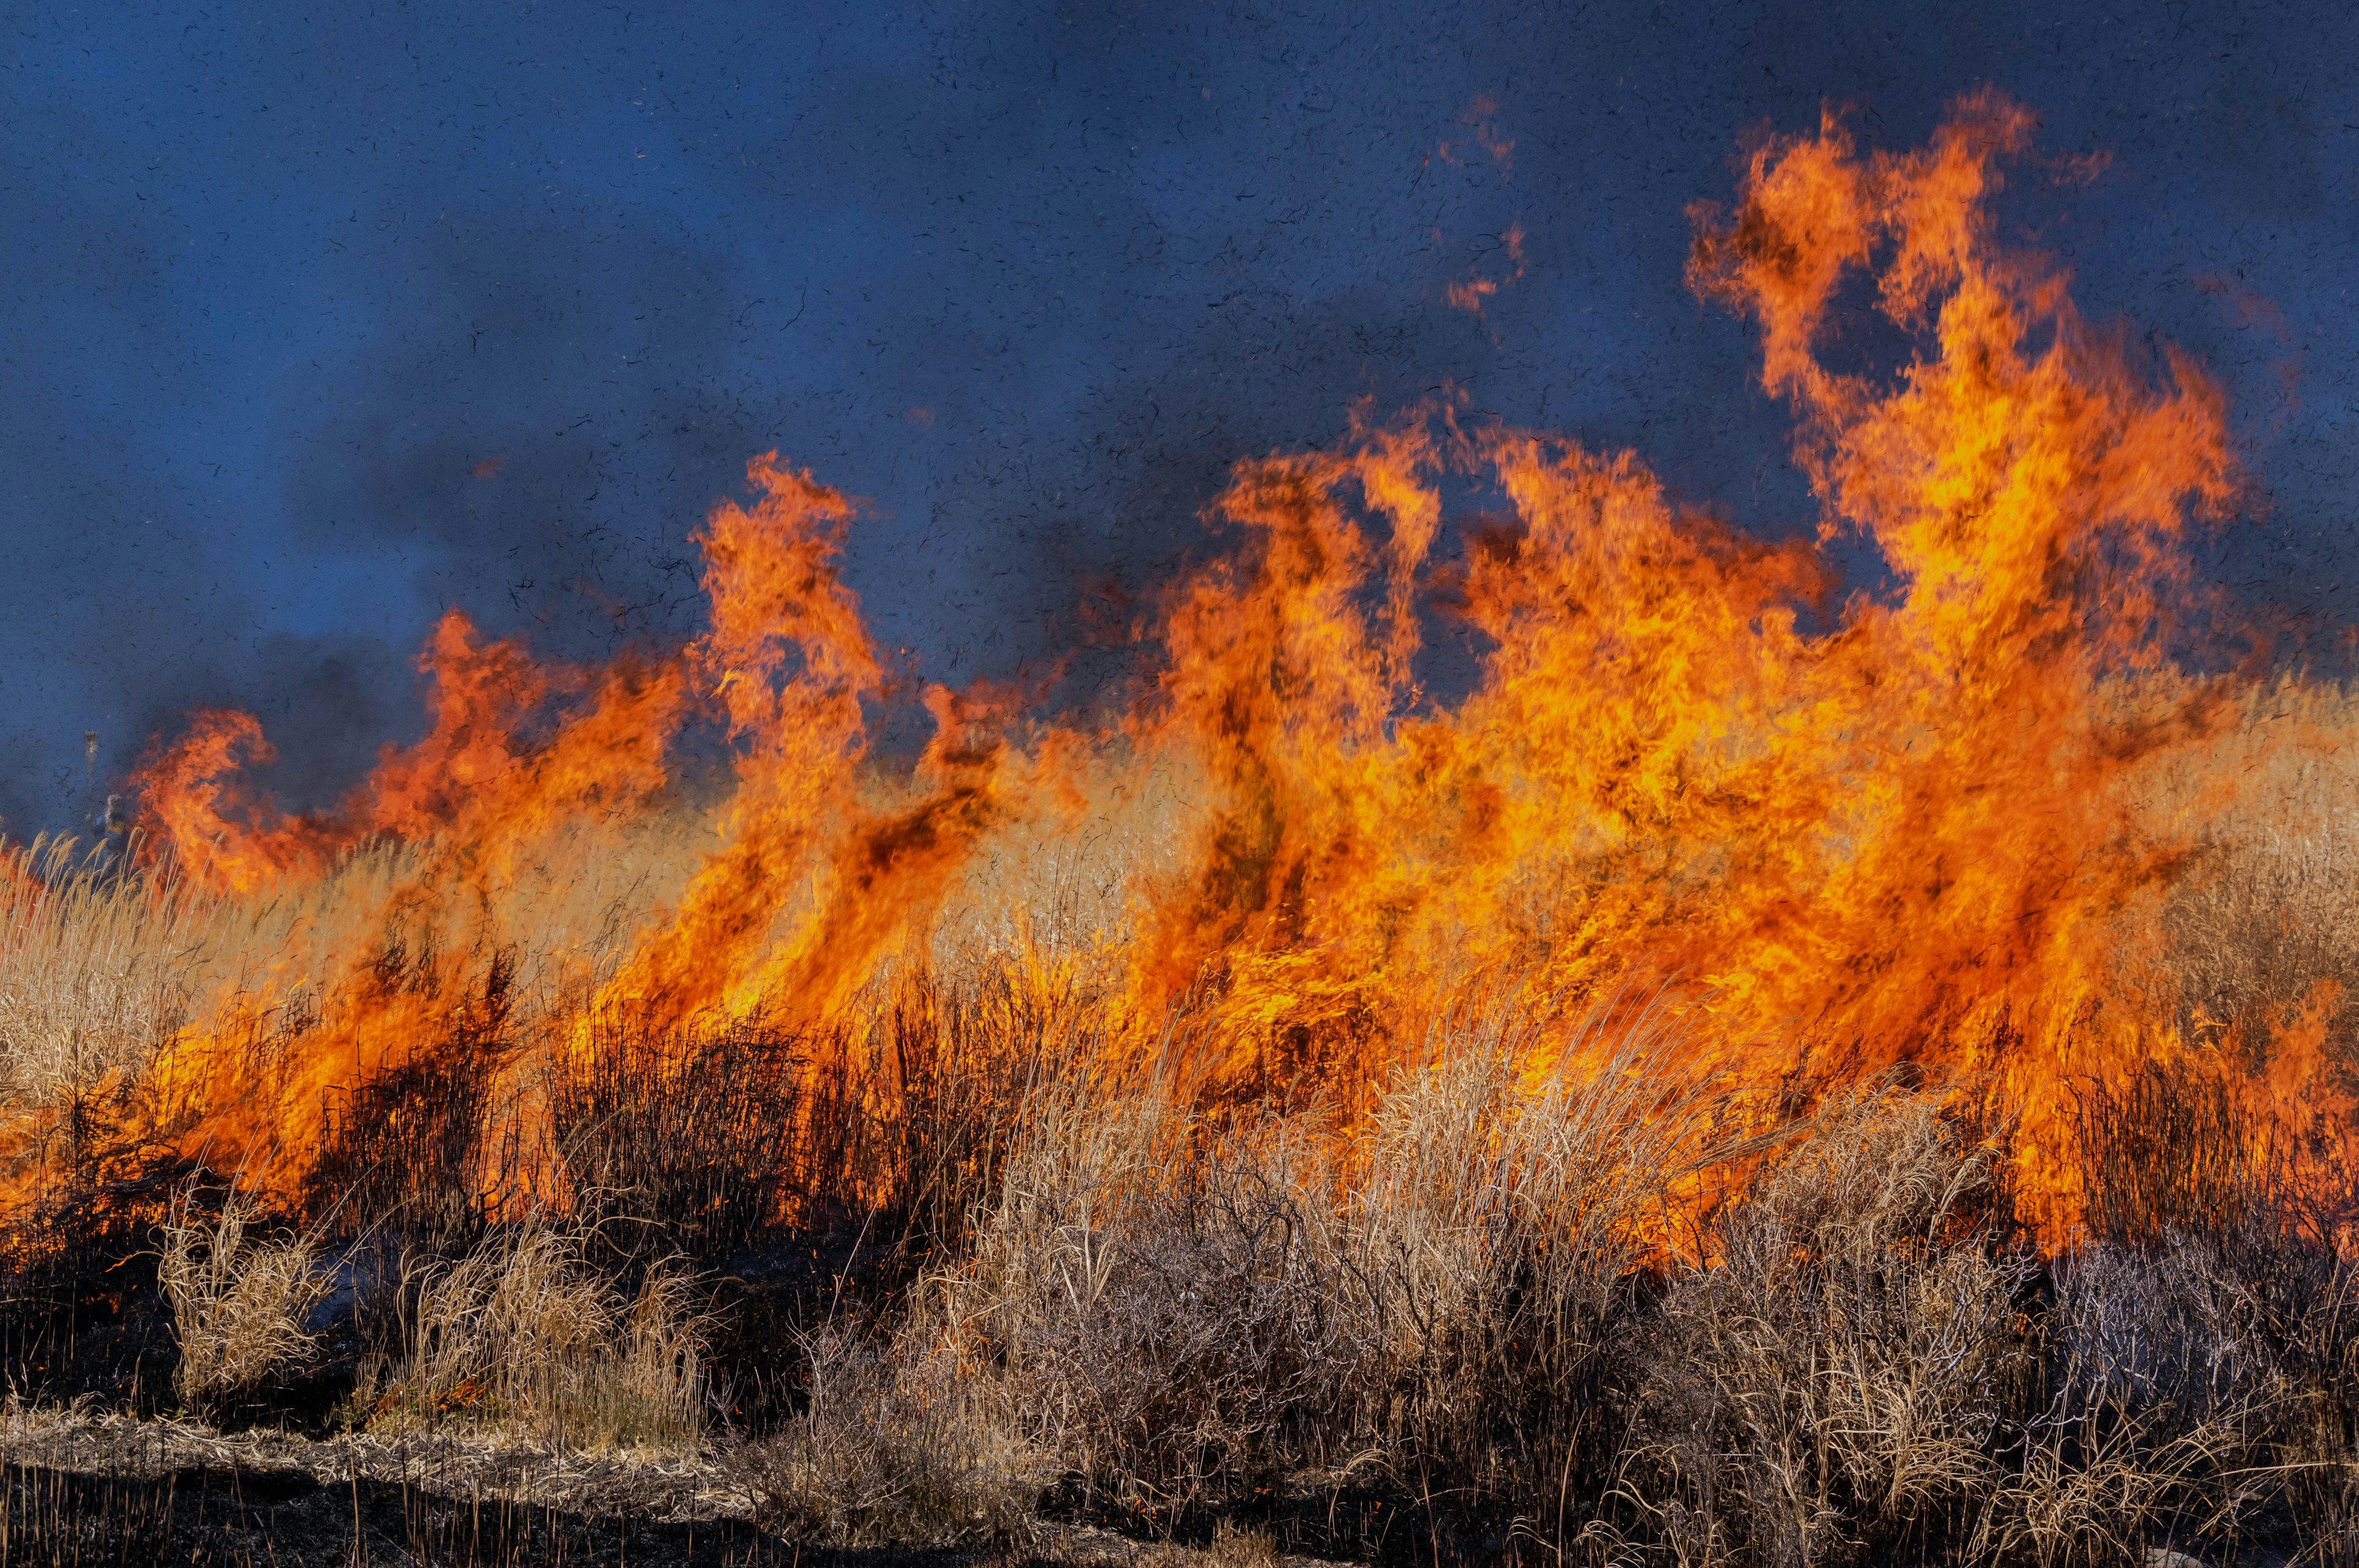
[241,1305]
[521,1335]
[902,1443]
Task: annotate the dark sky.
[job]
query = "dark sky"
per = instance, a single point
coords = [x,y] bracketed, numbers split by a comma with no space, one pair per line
[322,318]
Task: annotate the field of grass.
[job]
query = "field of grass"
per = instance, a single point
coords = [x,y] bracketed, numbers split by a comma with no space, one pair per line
[982,1284]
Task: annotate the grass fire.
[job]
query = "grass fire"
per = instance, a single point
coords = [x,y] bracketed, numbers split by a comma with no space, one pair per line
[1541,1026]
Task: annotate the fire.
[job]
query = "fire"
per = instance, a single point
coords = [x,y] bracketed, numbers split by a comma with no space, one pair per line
[1906,827]
[475,778]
[792,664]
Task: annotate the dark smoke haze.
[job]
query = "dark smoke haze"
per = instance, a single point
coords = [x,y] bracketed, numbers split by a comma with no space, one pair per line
[322,319]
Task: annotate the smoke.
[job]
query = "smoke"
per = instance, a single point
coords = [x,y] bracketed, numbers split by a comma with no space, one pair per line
[554,414]
[324,323]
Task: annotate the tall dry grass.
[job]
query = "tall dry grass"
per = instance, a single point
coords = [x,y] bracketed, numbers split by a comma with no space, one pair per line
[978,1266]
[91,984]
[1196,1307]
[1520,1315]
[1830,1381]
[241,1304]
[2260,930]
[899,1442]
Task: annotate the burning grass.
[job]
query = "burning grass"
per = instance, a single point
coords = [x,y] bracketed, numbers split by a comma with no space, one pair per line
[1758,1076]
[1609,1310]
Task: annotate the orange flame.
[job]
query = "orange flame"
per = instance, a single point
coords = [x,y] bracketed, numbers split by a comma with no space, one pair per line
[1895,829]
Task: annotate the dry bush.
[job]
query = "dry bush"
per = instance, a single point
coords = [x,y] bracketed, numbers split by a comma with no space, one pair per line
[1463,1303]
[406,1149]
[520,1334]
[903,1443]
[1160,1316]
[2322,1476]
[2166,1153]
[1828,1384]
[241,1305]
[1191,1312]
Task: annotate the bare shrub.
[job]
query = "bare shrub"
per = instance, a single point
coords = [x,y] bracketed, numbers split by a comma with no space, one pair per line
[241,1305]
[1192,1311]
[1830,1383]
[522,1334]
[903,1442]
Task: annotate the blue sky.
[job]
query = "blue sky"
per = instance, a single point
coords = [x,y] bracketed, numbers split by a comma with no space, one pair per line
[320,319]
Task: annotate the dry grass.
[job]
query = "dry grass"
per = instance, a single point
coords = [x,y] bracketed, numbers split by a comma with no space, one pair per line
[902,1442]
[679,1135]
[1495,1230]
[1191,1311]
[1560,1313]
[90,982]
[98,973]
[241,1305]
[2258,961]
[522,1335]
[1483,1306]
[1828,1383]
[1067,886]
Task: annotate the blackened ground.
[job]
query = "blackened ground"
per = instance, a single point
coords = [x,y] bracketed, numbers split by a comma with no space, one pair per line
[131,1514]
